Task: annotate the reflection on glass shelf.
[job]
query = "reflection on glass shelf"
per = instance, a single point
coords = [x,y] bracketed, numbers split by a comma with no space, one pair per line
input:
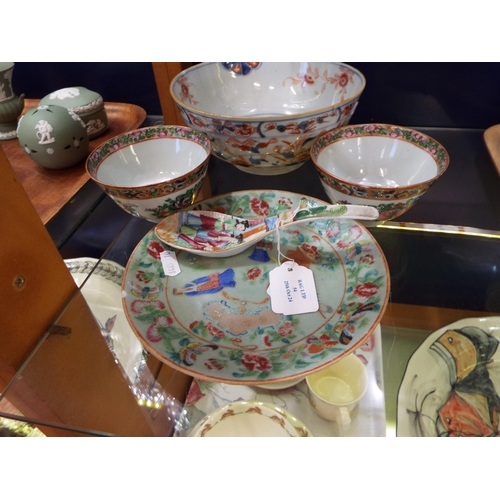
[440,228]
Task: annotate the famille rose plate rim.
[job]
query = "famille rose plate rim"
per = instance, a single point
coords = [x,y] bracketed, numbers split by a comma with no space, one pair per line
[146,304]
[427,372]
[279,416]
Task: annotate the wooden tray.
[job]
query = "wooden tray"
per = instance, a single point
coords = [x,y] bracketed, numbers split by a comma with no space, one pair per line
[49,190]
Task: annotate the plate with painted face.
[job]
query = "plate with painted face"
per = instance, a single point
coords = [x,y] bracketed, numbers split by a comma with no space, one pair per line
[452,381]
[214,319]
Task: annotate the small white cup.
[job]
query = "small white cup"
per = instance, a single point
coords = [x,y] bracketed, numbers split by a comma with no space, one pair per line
[335,391]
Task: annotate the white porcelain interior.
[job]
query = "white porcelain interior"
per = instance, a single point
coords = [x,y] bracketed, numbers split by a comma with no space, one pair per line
[274,90]
[151,162]
[250,419]
[378,162]
[336,390]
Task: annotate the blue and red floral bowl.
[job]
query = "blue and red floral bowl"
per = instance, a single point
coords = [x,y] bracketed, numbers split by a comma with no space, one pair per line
[263,117]
[385,166]
[154,171]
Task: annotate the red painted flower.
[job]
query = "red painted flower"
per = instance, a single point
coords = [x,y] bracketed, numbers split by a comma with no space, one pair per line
[256,362]
[193,324]
[366,290]
[245,129]
[311,250]
[286,329]
[214,331]
[260,207]
[213,364]
[144,277]
[285,201]
[267,341]
[254,273]
[155,248]
[367,259]
[140,306]
[155,331]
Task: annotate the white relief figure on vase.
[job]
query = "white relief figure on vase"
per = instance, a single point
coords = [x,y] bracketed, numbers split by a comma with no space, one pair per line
[44,131]
[68,93]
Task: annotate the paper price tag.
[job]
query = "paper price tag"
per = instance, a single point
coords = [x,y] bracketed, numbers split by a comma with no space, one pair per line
[292,289]
[170,264]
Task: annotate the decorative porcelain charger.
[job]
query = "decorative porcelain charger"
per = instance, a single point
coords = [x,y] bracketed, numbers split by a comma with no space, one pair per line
[450,386]
[214,319]
[250,419]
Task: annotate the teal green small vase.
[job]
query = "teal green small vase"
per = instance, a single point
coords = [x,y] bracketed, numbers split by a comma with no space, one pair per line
[11,105]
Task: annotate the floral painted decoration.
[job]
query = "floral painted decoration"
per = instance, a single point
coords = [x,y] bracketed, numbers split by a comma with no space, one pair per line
[214,319]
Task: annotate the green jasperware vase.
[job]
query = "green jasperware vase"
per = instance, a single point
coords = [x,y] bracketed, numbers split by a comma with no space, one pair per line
[11,105]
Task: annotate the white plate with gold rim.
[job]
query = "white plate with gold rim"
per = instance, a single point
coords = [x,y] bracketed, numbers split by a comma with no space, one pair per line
[250,419]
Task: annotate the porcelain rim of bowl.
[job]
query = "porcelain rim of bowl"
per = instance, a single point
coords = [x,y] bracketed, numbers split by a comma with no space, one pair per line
[403,159]
[266,116]
[109,166]
[357,384]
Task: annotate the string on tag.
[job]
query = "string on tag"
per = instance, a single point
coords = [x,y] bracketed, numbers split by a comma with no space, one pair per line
[290,216]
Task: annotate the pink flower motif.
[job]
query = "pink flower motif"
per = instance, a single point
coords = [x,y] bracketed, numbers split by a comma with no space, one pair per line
[355,232]
[140,306]
[333,231]
[256,362]
[395,135]
[342,244]
[286,329]
[154,332]
[350,133]
[418,136]
[371,127]
[366,290]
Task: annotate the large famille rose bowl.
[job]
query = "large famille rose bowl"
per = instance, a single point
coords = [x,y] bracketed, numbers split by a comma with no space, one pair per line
[152,172]
[214,319]
[262,117]
[385,166]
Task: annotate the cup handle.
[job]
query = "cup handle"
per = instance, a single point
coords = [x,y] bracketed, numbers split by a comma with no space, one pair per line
[343,418]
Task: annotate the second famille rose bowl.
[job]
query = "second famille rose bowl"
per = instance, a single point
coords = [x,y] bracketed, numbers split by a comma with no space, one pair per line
[385,166]
[263,116]
[154,171]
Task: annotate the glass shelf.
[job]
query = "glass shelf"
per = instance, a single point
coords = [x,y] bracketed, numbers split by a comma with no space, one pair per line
[438,275]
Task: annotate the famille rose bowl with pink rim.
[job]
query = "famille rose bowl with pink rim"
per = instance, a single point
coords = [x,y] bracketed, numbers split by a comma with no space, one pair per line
[385,166]
[262,117]
[154,171]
